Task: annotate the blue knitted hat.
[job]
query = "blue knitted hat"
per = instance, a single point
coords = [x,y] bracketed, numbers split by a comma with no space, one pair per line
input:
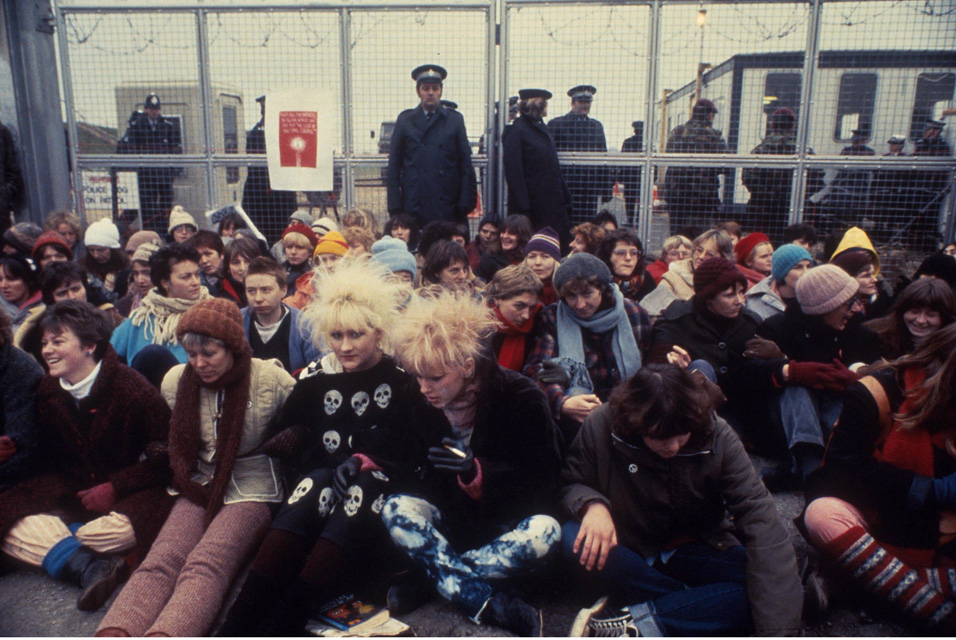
[785,258]
[394,254]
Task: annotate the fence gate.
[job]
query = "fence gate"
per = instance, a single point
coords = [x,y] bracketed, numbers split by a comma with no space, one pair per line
[807,94]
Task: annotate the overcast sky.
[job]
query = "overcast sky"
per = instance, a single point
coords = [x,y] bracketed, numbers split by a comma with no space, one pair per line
[549,46]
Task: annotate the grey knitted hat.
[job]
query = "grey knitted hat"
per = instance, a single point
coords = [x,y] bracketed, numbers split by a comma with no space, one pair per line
[822,289]
[581,265]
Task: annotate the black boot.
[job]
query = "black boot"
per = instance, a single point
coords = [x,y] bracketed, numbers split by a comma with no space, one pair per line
[256,599]
[97,575]
[513,614]
[410,594]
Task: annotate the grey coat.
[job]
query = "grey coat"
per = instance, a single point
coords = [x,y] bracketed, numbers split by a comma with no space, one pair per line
[763,301]
[655,501]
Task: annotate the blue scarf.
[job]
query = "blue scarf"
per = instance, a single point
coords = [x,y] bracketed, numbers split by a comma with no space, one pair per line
[571,343]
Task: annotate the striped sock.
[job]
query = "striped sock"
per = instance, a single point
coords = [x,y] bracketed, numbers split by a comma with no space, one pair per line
[869,565]
[943,580]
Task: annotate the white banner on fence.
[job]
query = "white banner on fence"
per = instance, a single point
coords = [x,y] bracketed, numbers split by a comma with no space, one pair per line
[299,141]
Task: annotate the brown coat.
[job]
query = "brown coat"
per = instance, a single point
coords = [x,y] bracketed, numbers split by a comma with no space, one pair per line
[104,439]
[655,501]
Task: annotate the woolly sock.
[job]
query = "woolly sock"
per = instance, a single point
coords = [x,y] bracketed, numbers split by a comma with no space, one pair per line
[943,580]
[281,554]
[858,556]
[57,557]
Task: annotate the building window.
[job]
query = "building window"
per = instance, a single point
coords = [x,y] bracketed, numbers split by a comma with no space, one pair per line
[780,90]
[934,91]
[230,140]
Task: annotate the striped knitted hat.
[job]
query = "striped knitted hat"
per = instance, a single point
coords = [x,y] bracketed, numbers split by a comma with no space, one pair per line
[545,241]
[333,242]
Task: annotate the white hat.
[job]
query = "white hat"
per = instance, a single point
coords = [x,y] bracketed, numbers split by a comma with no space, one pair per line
[102,233]
[323,225]
[179,216]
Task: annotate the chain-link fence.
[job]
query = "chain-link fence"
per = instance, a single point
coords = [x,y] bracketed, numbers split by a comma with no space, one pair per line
[825,111]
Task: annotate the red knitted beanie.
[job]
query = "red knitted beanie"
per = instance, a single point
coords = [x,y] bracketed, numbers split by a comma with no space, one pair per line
[217,318]
[713,275]
[747,244]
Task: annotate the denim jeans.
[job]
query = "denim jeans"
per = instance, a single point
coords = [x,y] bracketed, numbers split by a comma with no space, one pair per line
[696,591]
[415,524]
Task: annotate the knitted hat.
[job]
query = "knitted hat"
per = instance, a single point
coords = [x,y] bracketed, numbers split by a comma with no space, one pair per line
[102,233]
[822,289]
[302,216]
[144,252]
[394,255]
[299,227]
[217,318]
[786,258]
[50,237]
[714,275]
[22,236]
[545,241]
[141,238]
[581,265]
[941,266]
[747,244]
[333,243]
[323,225]
[179,216]
[853,261]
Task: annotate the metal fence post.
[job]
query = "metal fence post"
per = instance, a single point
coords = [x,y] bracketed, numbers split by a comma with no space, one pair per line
[646,203]
[348,168]
[806,107]
[502,119]
[67,80]
[205,88]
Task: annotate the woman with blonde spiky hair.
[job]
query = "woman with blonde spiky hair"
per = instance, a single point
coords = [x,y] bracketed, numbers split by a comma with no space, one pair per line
[343,432]
[489,460]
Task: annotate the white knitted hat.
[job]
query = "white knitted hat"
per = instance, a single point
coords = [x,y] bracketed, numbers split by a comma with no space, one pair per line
[179,216]
[102,233]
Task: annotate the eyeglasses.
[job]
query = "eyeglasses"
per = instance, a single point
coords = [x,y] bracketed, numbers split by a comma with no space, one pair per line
[626,253]
[699,251]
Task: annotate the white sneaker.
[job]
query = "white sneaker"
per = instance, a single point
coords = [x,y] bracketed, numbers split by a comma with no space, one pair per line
[598,621]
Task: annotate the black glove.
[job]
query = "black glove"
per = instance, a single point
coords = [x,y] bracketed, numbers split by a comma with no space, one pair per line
[553,373]
[444,459]
[344,474]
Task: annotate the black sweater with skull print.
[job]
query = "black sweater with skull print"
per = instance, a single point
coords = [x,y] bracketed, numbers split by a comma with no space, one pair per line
[336,415]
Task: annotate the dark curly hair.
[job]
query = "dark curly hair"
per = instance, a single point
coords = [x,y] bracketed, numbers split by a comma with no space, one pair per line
[661,401]
[161,263]
[92,326]
[440,256]
[609,242]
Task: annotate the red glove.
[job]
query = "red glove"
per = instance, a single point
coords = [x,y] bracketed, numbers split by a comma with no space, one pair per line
[100,498]
[838,377]
[7,448]
[809,374]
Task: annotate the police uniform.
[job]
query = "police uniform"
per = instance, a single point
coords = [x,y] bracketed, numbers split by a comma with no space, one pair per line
[931,186]
[850,197]
[581,133]
[430,175]
[268,209]
[536,187]
[630,177]
[693,193]
[155,184]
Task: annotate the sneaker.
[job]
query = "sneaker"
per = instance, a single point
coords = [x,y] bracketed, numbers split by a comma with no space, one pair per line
[409,595]
[601,621]
[513,614]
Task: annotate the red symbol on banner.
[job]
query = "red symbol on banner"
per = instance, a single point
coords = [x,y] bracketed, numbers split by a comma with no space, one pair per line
[298,138]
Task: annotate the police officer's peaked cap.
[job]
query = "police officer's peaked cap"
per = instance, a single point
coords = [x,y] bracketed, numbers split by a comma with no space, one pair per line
[704,103]
[512,101]
[897,139]
[429,73]
[637,123]
[152,101]
[861,133]
[448,104]
[261,98]
[935,124]
[527,94]
[582,92]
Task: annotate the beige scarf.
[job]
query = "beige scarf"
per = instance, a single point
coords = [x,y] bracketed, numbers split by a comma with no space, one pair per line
[160,315]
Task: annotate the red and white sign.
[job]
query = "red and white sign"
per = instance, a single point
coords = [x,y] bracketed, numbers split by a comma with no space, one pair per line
[298,141]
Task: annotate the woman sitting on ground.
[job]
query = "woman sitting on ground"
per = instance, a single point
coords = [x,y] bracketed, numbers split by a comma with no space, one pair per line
[855,255]
[105,258]
[223,400]
[881,508]
[543,255]
[235,259]
[513,295]
[923,307]
[514,233]
[586,237]
[622,252]
[70,228]
[589,341]
[103,431]
[754,257]
[446,266]
[776,292]
[50,247]
[298,243]
[489,456]
[346,455]
[674,567]
[675,248]
[20,287]
[404,227]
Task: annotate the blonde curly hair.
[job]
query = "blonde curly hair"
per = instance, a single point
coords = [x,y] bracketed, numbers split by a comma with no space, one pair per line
[442,331]
[357,295]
